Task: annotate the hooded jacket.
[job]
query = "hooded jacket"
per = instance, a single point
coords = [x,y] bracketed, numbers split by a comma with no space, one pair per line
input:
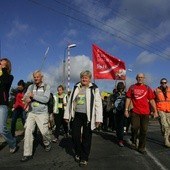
[94,104]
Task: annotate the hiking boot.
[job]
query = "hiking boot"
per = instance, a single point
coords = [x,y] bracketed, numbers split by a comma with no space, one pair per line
[77,158]
[48,148]
[26,158]
[13,150]
[121,143]
[83,163]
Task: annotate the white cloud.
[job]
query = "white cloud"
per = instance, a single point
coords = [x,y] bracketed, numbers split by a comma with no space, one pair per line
[132,21]
[145,58]
[72,32]
[17,29]
[142,16]
[54,75]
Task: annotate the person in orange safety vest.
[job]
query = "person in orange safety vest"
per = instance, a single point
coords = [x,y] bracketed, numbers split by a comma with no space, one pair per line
[163,106]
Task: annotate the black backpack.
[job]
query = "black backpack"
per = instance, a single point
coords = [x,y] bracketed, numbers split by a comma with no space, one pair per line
[50,104]
[119,103]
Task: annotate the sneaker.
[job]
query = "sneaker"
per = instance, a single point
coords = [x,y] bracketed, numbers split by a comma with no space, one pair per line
[48,148]
[133,146]
[26,158]
[55,140]
[13,150]
[83,163]
[142,151]
[77,158]
[121,143]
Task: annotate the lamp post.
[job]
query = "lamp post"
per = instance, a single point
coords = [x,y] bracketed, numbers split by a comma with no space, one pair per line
[68,65]
[64,68]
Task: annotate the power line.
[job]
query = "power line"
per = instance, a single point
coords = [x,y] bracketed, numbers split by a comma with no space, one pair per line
[99,28]
[145,43]
[129,20]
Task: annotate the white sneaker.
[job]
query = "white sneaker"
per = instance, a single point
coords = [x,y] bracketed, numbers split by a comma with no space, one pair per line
[48,148]
[55,140]
[83,163]
[13,150]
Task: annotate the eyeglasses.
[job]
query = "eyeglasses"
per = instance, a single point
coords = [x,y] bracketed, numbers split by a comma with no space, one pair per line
[163,82]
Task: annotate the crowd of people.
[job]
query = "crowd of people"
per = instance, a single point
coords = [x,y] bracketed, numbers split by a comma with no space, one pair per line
[81,111]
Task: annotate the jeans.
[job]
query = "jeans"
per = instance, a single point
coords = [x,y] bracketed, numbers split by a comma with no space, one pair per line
[18,112]
[3,128]
[139,123]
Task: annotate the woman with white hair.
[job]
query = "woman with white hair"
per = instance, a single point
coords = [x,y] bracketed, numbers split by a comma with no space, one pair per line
[85,110]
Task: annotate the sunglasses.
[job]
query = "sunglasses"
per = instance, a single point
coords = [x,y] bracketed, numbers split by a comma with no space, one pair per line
[163,82]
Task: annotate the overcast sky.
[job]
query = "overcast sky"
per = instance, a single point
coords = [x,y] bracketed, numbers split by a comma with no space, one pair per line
[137,32]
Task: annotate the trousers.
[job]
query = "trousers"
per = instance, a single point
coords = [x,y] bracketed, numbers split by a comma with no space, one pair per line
[82,135]
[42,122]
[139,129]
[165,126]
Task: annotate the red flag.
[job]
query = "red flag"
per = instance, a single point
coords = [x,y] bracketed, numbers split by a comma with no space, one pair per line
[106,66]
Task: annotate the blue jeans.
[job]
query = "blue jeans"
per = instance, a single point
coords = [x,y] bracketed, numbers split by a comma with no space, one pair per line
[3,128]
[18,112]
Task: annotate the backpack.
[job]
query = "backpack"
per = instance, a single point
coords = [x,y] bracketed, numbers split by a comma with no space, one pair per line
[119,103]
[50,103]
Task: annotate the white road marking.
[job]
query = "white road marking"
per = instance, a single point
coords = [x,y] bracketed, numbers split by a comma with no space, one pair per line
[162,167]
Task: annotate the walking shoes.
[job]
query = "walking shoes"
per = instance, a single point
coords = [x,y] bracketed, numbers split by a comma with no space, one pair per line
[13,150]
[83,163]
[26,158]
[77,158]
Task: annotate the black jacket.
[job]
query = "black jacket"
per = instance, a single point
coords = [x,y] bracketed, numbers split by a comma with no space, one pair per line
[5,85]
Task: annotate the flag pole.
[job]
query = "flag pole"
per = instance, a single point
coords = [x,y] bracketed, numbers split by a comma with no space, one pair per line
[45,57]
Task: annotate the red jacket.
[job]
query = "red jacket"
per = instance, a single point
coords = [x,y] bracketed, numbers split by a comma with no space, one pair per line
[18,100]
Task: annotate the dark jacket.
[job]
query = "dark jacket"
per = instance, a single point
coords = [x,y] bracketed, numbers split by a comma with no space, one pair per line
[5,85]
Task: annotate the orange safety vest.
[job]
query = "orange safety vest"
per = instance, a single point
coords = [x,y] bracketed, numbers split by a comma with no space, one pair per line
[162,103]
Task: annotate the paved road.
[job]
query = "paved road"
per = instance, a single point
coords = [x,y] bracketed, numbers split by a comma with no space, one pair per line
[105,155]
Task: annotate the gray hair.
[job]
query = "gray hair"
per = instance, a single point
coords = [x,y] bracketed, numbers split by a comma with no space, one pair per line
[37,72]
[86,73]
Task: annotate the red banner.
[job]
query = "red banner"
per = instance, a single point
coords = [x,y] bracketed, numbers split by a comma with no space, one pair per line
[106,66]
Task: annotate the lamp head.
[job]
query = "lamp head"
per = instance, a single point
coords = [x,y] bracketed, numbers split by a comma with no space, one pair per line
[71,46]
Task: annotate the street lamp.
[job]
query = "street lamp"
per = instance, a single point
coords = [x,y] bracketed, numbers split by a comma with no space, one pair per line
[68,65]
